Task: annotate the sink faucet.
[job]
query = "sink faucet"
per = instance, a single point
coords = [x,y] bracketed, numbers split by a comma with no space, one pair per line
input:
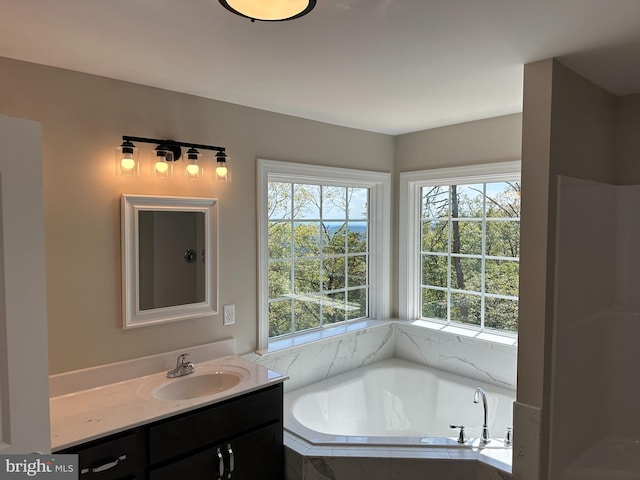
[479,393]
[183,367]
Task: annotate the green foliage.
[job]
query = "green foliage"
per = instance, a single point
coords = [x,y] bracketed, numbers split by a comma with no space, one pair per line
[454,219]
[317,268]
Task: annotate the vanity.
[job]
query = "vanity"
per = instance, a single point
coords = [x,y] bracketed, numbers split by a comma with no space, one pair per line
[222,422]
[215,415]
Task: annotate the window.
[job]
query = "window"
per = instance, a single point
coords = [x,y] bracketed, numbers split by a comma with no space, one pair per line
[463,240]
[324,242]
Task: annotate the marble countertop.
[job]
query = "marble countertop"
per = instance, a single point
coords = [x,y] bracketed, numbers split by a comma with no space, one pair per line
[93,413]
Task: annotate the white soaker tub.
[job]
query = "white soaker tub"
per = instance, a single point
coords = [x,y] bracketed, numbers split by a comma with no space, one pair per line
[395,402]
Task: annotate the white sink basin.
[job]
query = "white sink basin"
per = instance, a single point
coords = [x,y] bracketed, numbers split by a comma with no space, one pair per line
[196,386]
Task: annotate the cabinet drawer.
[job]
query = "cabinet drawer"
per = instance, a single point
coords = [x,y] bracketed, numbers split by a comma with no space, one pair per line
[116,459]
[214,424]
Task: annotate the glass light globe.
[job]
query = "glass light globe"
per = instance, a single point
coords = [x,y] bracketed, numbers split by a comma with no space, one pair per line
[127,164]
[162,167]
[192,169]
[221,171]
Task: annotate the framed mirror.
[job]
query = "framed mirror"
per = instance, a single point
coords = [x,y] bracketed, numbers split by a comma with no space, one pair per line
[169,259]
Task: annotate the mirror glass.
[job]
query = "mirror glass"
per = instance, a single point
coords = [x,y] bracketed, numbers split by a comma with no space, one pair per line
[169,258]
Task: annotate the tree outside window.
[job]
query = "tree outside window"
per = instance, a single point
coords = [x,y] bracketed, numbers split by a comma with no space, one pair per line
[470,237]
[318,255]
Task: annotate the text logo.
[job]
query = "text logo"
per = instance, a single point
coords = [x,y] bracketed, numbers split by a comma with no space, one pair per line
[51,467]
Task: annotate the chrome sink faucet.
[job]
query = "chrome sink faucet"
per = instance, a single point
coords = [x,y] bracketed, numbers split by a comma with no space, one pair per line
[183,367]
[479,393]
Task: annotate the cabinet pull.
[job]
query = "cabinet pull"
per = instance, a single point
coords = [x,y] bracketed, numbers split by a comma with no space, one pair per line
[220,464]
[105,466]
[231,463]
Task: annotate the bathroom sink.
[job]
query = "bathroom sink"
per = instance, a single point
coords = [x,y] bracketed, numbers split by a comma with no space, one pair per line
[189,387]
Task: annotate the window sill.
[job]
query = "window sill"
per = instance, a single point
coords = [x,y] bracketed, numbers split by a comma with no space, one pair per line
[502,339]
[320,334]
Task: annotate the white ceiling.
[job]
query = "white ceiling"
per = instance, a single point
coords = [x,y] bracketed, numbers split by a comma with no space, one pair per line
[391,66]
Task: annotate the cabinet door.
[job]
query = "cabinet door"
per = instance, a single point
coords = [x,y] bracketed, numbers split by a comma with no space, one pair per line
[200,466]
[258,455]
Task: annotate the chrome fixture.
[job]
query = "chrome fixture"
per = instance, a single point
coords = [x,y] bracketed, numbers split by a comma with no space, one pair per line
[183,367]
[461,438]
[269,10]
[479,393]
[508,439]
[167,155]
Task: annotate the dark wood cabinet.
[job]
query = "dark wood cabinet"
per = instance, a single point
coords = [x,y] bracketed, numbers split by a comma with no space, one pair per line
[255,455]
[237,439]
[118,457]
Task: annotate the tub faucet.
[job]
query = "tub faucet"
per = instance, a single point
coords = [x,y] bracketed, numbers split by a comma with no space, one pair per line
[479,393]
[183,367]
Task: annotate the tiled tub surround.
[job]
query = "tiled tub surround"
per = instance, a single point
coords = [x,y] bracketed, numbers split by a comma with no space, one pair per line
[96,402]
[352,346]
[490,359]
[447,348]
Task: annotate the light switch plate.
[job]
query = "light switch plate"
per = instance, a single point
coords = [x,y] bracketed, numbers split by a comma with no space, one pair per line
[229,314]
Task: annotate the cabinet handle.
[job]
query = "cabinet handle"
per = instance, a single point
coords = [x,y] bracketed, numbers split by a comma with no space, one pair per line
[231,463]
[220,464]
[105,466]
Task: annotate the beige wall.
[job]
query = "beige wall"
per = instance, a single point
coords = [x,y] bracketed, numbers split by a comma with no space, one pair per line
[491,140]
[627,170]
[569,128]
[83,118]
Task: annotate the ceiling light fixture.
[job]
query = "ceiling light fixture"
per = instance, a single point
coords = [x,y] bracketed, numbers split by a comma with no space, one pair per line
[269,10]
[167,155]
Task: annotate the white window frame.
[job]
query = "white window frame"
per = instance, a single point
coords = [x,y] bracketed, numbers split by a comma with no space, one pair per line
[409,224]
[379,185]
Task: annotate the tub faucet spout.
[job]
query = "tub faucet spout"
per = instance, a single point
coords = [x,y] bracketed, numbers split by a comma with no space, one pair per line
[479,393]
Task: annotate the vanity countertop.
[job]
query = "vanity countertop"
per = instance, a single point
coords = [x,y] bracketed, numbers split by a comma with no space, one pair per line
[93,413]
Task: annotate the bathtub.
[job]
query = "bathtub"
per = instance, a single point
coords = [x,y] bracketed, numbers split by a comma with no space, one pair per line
[395,402]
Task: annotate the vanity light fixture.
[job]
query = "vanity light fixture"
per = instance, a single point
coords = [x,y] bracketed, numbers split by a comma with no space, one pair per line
[167,155]
[163,164]
[192,170]
[222,172]
[269,10]
[127,159]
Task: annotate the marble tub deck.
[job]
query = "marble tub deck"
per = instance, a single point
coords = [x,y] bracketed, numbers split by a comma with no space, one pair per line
[305,461]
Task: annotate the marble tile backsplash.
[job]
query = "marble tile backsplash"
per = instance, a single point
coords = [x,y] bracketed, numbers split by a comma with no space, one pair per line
[474,358]
[479,359]
[306,364]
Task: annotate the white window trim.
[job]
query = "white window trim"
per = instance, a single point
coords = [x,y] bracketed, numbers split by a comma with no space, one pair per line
[379,184]
[409,221]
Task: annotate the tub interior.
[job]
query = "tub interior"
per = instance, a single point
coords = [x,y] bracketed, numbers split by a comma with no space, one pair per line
[395,399]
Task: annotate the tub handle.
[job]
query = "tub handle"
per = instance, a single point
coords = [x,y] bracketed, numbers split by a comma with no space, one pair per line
[461,438]
[508,439]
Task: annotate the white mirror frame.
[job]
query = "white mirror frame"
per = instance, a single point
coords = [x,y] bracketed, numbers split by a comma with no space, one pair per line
[132,204]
